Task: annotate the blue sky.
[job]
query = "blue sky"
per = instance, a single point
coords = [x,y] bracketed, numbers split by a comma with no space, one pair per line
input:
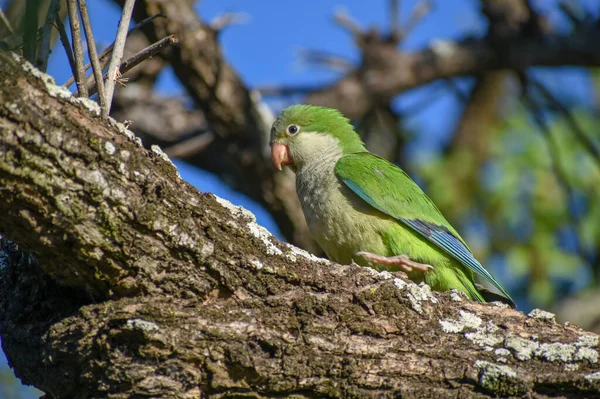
[264,51]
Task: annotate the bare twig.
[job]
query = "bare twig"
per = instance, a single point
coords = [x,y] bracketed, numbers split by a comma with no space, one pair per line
[44,52]
[572,12]
[64,39]
[325,59]
[148,52]
[93,54]
[116,56]
[419,11]
[105,54]
[191,146]
[143,55]
[342,18]
[6,22]
[395,25]
[587,143]
[227,19]
[30,31]
[79,71]
[275,90]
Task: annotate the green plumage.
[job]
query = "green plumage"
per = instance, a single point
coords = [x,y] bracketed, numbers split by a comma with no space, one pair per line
[355,201]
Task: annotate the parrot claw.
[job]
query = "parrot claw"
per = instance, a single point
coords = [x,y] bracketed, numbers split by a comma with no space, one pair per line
[402,261]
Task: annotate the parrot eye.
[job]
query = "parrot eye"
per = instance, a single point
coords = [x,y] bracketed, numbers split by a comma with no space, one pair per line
[293,129]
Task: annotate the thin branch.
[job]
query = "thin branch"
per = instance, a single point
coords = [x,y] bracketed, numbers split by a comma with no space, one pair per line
[326,59]
[419,11]
[64,39]
[395,26]
[587,143]
[30,31]
[572,12]
[275,90]
[143,55]
[117,54]
[44,52]
[342,18]
[227,19]
[79,71]
[105,54]
[6,22]
[93,54]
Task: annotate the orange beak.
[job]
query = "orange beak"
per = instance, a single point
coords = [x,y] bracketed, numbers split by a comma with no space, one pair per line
[280,155]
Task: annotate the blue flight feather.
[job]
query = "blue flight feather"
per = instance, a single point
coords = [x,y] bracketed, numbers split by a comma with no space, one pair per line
[438,235]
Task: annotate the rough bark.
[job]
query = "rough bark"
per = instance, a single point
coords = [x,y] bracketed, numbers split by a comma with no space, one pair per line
[238,149]
[144,287]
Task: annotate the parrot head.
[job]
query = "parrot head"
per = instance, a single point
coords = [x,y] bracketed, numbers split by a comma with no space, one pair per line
[303,133]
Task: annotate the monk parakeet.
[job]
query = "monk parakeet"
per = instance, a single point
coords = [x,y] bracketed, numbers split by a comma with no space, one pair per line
[362,208]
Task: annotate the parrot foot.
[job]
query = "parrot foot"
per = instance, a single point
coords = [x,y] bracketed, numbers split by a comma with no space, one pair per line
[402,261]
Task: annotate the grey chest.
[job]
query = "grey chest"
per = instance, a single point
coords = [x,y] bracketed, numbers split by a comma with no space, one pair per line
[338,220]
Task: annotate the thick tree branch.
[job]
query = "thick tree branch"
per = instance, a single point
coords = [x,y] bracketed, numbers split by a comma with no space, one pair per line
[173,293]
[401,71]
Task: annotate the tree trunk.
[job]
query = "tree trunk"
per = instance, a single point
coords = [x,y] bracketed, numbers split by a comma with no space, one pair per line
[144,287]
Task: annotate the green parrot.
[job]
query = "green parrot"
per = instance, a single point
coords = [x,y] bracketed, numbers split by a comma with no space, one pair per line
[361,208]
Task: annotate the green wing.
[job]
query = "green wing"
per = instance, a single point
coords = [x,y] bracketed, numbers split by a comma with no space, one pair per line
[387,188]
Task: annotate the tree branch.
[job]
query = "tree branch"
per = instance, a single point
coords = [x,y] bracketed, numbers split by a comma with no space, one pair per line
[30,31]
[401,71]
[108,50]
[239,154]
[117,54]
[92,53]
[141,56]
[5,23]
[79,71]
[64,39]
[41,60]
[173,293]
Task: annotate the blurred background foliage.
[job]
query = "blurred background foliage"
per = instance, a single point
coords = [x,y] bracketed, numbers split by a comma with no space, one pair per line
[511,158]
[529,205]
